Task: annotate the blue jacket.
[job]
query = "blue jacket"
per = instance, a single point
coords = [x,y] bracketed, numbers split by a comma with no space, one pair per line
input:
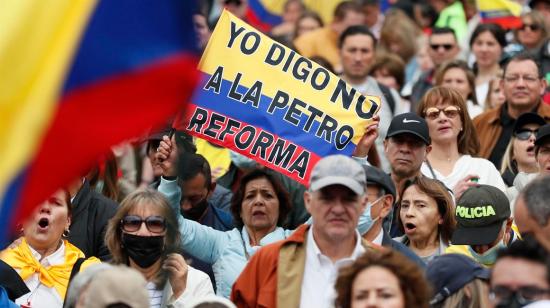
[226,251]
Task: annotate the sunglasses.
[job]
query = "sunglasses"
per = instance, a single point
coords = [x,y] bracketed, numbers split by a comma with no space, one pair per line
[450,112]
[132,223]
[531,27]
[525,134]
[445,46]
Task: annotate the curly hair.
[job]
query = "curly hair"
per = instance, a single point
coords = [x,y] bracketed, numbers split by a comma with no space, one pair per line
[412,283]
[149,198]
[280,191]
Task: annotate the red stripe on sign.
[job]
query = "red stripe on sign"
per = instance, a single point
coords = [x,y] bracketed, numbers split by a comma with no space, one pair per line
[264,147]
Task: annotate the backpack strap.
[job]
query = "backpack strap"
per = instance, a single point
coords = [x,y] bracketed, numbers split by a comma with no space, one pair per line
[76,268]
[389,97]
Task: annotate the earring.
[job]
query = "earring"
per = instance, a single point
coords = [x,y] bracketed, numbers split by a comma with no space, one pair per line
[66,233]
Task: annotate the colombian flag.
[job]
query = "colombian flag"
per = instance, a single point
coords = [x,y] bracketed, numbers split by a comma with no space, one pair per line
[502,12]
[77,77]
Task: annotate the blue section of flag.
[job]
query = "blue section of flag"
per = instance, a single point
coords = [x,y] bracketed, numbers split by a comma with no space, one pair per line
[246,112]
[263,14]
[124,35]
[7,205]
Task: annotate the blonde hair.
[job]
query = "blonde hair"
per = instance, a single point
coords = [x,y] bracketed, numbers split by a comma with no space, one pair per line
[150,198]
[492,82]
[508,157]
[475,300]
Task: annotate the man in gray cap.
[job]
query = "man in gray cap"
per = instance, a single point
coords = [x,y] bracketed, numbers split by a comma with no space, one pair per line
[301,270]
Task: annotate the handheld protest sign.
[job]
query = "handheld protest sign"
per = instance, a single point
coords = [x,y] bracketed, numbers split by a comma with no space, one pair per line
[263,100]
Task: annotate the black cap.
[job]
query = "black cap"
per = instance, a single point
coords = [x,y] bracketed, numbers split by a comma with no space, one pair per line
[544,131]
[449,273]
[479,213]
[378,177]
[528,118]
[409,123]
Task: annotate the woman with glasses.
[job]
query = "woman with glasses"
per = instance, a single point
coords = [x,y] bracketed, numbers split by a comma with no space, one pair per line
[487,43]
[533,31]
[454,143]
[520,152]
[144,235]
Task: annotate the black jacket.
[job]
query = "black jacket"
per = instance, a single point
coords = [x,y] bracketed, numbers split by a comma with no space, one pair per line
[90,214]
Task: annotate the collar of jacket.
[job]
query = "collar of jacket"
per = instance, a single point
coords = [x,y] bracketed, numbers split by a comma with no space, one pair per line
[291,265]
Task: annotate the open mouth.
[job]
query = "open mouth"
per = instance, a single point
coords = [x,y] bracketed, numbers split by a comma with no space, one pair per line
[43,223]
[410,227]
[531,149]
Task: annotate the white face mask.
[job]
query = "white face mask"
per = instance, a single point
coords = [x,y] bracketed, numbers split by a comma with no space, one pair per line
[365,220]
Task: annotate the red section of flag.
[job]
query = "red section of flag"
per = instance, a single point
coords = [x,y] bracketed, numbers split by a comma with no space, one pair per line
[256,22]
[93,118]
[507,22]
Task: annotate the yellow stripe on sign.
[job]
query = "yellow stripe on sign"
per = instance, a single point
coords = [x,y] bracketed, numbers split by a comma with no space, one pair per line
[37,42]
[249,56]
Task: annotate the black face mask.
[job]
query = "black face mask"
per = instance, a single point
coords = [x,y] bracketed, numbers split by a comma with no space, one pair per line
[143,250]
[196,211]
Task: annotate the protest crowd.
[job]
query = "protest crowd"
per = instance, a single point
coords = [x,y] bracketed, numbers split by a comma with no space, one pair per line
[443,202]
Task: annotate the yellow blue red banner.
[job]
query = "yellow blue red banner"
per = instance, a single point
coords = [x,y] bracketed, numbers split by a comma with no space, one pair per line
[262,99]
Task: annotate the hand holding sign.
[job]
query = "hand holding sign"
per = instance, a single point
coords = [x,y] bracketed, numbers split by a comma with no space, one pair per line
[368,138]
[167,154]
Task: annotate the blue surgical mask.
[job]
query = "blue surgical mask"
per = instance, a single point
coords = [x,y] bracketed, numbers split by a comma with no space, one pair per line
[489,257]
[366,221]
[241,161]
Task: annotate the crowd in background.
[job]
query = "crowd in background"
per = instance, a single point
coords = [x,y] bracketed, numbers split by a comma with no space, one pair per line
[444,202]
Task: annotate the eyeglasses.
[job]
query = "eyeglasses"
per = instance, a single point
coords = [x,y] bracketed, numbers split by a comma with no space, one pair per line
[531,27]
[525,134]
[515,78]
[450,112]
[524,295]
[132,223]
[447,47]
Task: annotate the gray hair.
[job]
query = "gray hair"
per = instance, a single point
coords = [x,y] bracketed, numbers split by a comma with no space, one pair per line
[80,281]
[537,199]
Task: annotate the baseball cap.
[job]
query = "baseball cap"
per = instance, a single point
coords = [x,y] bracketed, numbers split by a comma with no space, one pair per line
[409,123]
[449,273]
[338,170]
[528,118]
[378,177]
[118,285]
[479,214]
[544,131]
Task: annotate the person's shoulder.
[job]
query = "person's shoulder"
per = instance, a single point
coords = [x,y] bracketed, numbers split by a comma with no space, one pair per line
[102,201]
[309,37]
[544,111]
[486,116]
[196,274]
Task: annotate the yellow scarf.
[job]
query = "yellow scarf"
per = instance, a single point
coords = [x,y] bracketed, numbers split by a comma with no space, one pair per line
[57,276]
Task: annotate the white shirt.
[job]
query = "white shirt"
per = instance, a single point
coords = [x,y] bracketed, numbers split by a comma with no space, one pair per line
[320,274]
[40,295]
[378,239]
[155,296]
[466,165]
